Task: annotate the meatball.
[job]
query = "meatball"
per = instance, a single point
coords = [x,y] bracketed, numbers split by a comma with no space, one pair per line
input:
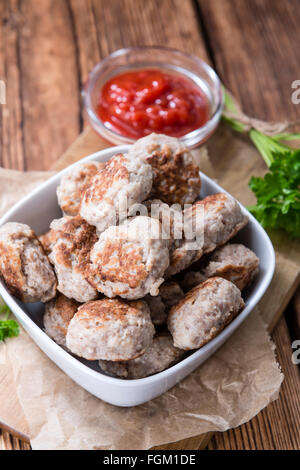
[160,355]
[170,293]
[110,329]
[170,218]
[58,314]
[70,256]
[176,177]
[122,182]
[233,262]
[212,222]
[204,312]
[73,184]
[180,258]
[223,218]
[129,260]
[24,265]
[47,240]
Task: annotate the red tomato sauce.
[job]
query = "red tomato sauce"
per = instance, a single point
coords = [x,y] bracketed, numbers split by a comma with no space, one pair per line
[134,104]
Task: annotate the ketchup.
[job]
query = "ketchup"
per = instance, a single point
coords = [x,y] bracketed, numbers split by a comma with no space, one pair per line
[134,104]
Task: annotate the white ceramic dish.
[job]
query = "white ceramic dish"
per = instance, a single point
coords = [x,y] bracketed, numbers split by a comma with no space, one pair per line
[38,209]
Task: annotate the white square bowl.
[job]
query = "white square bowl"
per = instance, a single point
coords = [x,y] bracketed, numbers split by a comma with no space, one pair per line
[37,210]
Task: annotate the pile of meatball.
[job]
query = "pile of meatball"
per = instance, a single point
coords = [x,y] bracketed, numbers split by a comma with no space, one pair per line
[118,290]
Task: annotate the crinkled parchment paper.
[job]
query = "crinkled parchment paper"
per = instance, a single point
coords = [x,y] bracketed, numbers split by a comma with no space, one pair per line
[228,390]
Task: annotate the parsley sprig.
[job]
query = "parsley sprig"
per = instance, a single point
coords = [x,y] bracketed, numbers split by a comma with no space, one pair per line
[8,327]
[278,192]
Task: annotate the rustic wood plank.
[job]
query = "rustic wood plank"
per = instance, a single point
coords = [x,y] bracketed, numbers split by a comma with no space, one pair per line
[11,113]
[48,50]
[50,81]
[9,442]
[193,443]
[254,47]
[41,117]
[277,426]
[100,30]
[171,23]
[85,36]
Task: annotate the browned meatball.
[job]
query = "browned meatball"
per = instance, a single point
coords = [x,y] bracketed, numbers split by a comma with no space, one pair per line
[122,182]
[130,260]
[160,355]
[70,256]
[58,314]
[170,218]
[48,240]
[213,221]
[234,262]
[24,265]
[110,329]
[73,185]
[204,312]
[176,177]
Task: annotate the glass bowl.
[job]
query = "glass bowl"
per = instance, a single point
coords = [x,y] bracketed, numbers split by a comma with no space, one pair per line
[172,60]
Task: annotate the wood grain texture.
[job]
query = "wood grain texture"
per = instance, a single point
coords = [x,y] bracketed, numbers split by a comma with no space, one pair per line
[47,49]
[9,442]
[277,426]
[41,117]
[12,153]
[101,28]
[254,47]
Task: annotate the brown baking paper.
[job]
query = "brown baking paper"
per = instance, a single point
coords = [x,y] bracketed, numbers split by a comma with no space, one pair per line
[229,389]
[226,391]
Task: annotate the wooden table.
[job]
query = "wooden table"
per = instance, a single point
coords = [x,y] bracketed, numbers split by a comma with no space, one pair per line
[47,49]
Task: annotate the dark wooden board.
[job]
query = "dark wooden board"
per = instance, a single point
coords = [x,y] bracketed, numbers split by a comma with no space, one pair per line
[254,48]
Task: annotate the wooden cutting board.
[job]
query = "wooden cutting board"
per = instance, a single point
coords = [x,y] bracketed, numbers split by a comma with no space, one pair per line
[232,167]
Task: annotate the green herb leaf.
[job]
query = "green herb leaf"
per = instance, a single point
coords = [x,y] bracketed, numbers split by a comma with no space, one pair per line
[8,328]
[268,146]
[6,310]
[287,136]
[278,193]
